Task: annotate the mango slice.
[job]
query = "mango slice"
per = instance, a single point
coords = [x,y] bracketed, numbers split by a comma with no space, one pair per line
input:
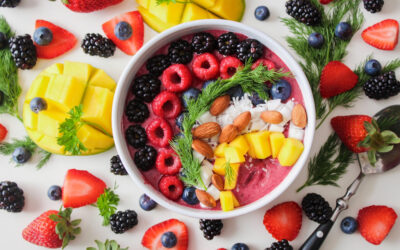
[219,150]
[276,140]
[241,144]
[259,145]
[220,164]
[226,199]
[231,183]
[233,155]
[101,79]
[290,152]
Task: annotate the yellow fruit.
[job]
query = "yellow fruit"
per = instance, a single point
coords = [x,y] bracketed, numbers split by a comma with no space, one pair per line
[241,144]
[235,201]
[290,152]
[276,140]
[194,12]
[81,71]
[220,164]
[38,87]
[227,9]
[251,150]
[259,144]
[101,79]
[56,68]
[231,183]
[233,155]
[153,21]
[219,150]
[226,199]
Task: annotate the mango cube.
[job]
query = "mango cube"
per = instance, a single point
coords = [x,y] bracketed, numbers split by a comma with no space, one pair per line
[194,12]
[153,21]
[101,79]
[276,140]
[226,199]
[259,144]
[241,144]
[233,155]
[30,118]
[235,201]
[167,13]
[81,71]
[56,68]
[206,3]
[144,3]
[220,164]
[94,139]
[49,143]
[49,121]
[219,150]
[227,9]
[290,152]
[38,88]
[231,183]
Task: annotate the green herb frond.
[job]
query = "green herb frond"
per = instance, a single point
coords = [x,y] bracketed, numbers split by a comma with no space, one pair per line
[107,204]
[107,245]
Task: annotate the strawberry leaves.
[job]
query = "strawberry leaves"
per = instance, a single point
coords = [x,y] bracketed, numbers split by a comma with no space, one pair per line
[65,228]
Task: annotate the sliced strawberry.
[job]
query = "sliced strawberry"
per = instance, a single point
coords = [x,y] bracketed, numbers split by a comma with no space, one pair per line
[81,188]
[283,221]
[325,1]
[3,132]
[62,42]
[135,42]
[152,237]
[383,35]
[336,78]
[375,223]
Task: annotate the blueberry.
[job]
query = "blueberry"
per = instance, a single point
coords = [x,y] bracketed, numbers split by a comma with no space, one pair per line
[281,90]
[256,99]
[190,94]
[179,120]
[349,225]
[43,36]
[344,31]
[261,13]
[205,84]
[189,196]
[21,155]
[169,240]
[123,30]
[146,203]
[316,40]
[54,193]
[373,67]
[38,104]
[240,246]
[3,40]
[235,92]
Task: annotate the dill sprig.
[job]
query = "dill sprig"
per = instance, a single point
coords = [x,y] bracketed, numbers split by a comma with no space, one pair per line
[229,173]
[107,204]
[250,80]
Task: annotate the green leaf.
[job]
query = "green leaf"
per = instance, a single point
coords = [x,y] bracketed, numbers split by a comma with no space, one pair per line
[390,137]
[107,204]
[107,245]
[372,157]
[369,127]
[76,222]
[385,149]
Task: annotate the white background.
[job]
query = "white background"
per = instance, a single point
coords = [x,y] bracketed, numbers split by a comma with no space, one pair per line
[382,190]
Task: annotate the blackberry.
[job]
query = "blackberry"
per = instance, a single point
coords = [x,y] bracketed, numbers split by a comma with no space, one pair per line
[117,167]
[280,245]
[23,51]
[145,158]
[316,208]
[98,45]
[11,197]
[146,87]
[303,11]
[250,49]
[137,111]
[9,3]
[210,228]
[180,52]
[373,6]
[382,86]
[203,42]
[157,64]
[136,136]
[123,221]
[227,43]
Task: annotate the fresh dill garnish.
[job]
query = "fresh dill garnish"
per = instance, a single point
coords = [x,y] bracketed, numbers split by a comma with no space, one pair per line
[107,204]
[107,245]
[387,122]
[250,80]
[229,173]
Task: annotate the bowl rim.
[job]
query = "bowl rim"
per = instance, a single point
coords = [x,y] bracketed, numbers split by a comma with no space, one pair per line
[166,37]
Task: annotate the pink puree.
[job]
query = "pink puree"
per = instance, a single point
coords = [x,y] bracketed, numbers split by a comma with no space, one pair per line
[256,177]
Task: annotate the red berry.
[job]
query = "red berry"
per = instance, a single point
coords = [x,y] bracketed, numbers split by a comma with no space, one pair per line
[325,1]
[159,132]
[336,78]
[383,35]
[171,187]
[267,63]
[168,162]
[3,132]
[177,78]
[206,66]
[229,66]
[152,237]
[166,105]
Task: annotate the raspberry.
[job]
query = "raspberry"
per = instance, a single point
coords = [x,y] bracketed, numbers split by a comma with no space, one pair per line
[168,162]
[159,132]
[166,105]
[171,187]
[267,63]
[228,66]
[205,66]
[177,78]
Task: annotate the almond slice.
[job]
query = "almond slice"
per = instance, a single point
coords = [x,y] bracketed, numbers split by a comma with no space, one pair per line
[203,148]
[228,134]
[299,116]
[220,104]
[217,181]
[205,198]
[206,130]
[242,120]
[272,116]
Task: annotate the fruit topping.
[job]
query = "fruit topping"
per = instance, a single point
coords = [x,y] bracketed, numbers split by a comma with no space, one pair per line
[171,187]
[290,152]
[23,51]
[157,64]
[383,35]
[206,66]
[38,104]
[116,166]
[261,13]
[276,140]
[146,203]
[137,111]
[316,40]
[9,3]
[299,116]
[122,221]
[123,30]
[168,162]
[210,228]
[240,246]
[316,208]
[349,225]
[177,78]
[242,121]
[3,132]
[190,94]
[235,92]
[281,90]
[203,148]
[228,66]
[259,146]
[145,158]
[166,105]
[54,193]
[336,78]
[344,31]
[325,1]
[97,45]
[205,198]
[42,36]
[272,116]
[206,83]
[152,238]
[382,86]
[280,245]
[11,197]
[250,49]
[180,52]
[227,43]
[303,11]
[189,196]
[203,42]
[146,87]
[168,240]
[206,130]
[21,155]
[373,67]
[265,62]
[179,120]
[373,6]
[136,136]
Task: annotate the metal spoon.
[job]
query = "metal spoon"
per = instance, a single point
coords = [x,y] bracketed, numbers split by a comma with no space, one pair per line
[385,162]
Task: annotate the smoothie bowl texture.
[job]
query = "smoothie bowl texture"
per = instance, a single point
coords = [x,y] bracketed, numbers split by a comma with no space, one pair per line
[243,147]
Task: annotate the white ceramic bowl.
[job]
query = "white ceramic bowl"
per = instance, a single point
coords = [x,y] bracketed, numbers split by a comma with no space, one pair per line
[154,45]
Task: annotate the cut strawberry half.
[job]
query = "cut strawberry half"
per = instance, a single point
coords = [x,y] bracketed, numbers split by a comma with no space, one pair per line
[152,237]
[131,45]
[325,1]
[383,35]
[62,42]
[3,132]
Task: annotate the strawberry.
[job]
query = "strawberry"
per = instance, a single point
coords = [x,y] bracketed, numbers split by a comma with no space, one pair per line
[283,221]
[3,132]
[89,5]
[152,237]
[375,223]
[325,1]
[383,35]
[81,188]
[62,42]
[336,78]
[131,45]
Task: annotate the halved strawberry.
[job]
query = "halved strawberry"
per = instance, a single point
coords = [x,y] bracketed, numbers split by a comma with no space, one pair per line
[62,42]
[152,237]
[325,1]
[283,221]
[383,35]
[135,41]
[375,223]
[336,78]
[3,132]
[81,188]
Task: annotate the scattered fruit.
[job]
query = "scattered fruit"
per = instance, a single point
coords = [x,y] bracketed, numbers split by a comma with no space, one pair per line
[146,87]
[205,198]
[97,45]
[145,158]
[23,51]
[228,134]
[290,152]
[382,86]
[122,221]
[166,105]
[168,162]
[54,193]
[188,95]
[152,237]
[373,6]
[136,136]
[203,148]
[261,13]
[189,196]
[159,132]
[123,30]
[242,121]
[272,116]
[231,181]
[303,11]
[42,36]
[220,104]
[228,66]
[168,240]
[250,49]
[299,116]
[206,66]
[38,104]
[316,208]
[349,225]
[210,228]
[240,246]
[282,244]
[373,67]
[146,203]
[316,40]
[171,187]
[383,35]
[336,78]
[11,197]
[89,5]
[206,130]
[281,90]
[344,31]
[21,155]
[3,132]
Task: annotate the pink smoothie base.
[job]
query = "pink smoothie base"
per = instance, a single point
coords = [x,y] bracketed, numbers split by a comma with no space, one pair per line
[256,177]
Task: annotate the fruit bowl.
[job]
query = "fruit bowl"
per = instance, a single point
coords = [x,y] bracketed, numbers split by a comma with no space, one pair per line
[167,37]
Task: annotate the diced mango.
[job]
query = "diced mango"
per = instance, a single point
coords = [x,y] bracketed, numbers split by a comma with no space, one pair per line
[220,164]
[227,9]
[101,79]
[81,71]
[276,140]
[50,144]
[94,139]
[38,88]
[233,155]
[219,150]
[154,22]
[49,121]
[231,184]
[34,135]
[241,144]
[56,68]
[30,118]
[167,13]
[206,3]
[212,16]
[144,3]
[193,12]
[235,201]
[290,152]
[251,151]
[259,142]
[226,199]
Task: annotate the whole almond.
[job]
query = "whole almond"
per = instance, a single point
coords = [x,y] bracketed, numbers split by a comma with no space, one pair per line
[299,116]
[272,116]
[206,130]
[203,148]
[220,104]
[205,198]
[228,134]
[242,120]
[217,181]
